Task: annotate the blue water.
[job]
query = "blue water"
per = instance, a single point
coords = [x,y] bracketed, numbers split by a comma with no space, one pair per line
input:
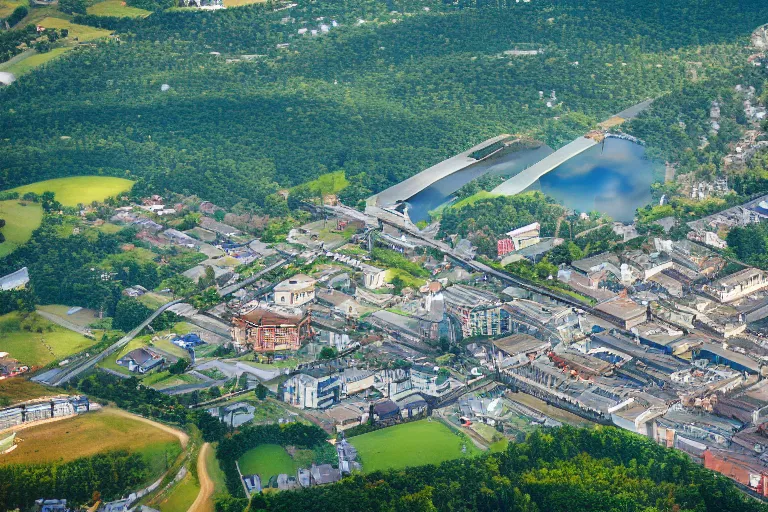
[614,179]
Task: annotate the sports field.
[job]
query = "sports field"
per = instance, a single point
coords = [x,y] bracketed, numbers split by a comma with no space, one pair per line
[19,336]
[92,433]
[267,460]
[79,189]
[116,8]
[20,222]
[411,444]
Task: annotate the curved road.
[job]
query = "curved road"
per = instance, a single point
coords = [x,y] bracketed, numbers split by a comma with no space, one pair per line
[203,501]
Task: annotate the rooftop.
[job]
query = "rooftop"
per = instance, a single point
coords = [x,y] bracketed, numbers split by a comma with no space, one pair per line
[519,344]
[622,308]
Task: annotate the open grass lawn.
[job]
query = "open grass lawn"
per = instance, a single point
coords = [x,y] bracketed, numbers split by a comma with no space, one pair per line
[328,183]
[166,346]
[408,279]
[39,348]
[83,317]
[19,389]
[20,222]
[267,460]
[23,66]
[81,32]
[411,444]
[181,496]
[116,8]
[92,433]
[78,189]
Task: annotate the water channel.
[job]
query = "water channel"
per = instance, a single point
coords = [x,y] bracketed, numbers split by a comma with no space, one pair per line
[613,178]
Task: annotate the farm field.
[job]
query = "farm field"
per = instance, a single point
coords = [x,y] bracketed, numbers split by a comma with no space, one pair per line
[38,348]
[83,317]
[92,433]
[20,222]
[267,460]
[7,7]
[29,63]
[116,8]
[78,189]
[410,444]
[19,389]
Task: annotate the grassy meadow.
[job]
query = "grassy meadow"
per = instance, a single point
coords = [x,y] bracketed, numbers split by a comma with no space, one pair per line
[78,189]
[92,433]
[116,8]
[267,460]
[411,444]
[21,219]
[35,341]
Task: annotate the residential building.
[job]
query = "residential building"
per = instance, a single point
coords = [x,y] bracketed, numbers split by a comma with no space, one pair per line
[115,506]
[295,291]
[373,277]
[340,302]
[252,483]
[313,389]
[324,474]
[525,236]
[346,416]
[355,380]
[386,410]
[44,505]
[738,285]
[141,360]
[266,330]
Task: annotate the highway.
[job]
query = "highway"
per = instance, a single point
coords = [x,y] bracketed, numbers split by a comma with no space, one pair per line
[61,376]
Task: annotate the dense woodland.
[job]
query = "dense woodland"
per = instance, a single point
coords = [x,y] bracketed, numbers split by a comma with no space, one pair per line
[565,469]
[112,474]
[380,100]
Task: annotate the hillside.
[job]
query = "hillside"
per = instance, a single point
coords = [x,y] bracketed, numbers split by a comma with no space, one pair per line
[381,96]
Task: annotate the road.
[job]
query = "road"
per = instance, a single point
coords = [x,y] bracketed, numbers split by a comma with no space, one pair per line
[255,277]
[203,501]
[67,374]
[63,323]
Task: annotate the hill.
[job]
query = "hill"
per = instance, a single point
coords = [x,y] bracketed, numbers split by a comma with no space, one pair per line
[245,116]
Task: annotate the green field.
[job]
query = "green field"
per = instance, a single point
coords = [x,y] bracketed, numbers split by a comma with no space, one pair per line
[483,194]
[116,8]
[92,433]
[267,460]
[410,444]
[79,189]
[81,32]
[328,183]
[215,472]
[181,496]
[408,279]
[38,348]
[20,222]
[7,6]
[37,59]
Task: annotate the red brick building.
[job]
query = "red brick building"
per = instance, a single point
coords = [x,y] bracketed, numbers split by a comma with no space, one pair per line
[505,246]
[265,330]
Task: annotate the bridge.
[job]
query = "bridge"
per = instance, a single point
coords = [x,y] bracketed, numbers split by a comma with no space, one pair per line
[415,184]
[528,177]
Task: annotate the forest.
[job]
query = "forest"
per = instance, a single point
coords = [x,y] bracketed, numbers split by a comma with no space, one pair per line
[562,469]
[379,100]
[112,474]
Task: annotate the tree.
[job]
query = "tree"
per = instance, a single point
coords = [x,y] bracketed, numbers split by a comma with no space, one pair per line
[180,285]
[17,15]
[261,391]
[73,6]
[179,367]
[328,353]
[129,313]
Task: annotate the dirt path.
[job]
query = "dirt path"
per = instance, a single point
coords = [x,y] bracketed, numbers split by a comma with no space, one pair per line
[203,501]
[183,437]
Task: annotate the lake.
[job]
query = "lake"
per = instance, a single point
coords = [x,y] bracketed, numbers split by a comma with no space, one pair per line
[614,179]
